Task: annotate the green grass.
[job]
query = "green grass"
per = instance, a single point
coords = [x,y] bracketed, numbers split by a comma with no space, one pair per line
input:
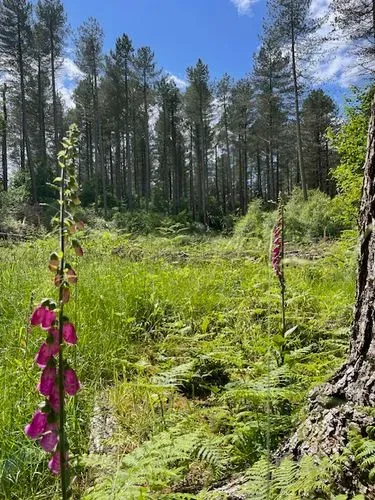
[176,333]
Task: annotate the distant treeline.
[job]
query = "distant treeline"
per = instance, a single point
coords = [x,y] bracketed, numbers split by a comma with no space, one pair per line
[209,148]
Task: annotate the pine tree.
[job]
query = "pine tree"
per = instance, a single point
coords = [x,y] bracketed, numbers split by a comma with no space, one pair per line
[15,52]
[123,59]
[290,26]
[241,117]
[146,72]
[318,113]
[89,59]
[52,29]
[356,20]
[198,100]
[223,95]
[168,141]
[271,79]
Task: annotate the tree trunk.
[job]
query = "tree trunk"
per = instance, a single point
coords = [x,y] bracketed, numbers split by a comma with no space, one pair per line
[25,137]
[335,406]
[191,176]
[217,192]
[4,148]
[147,144]
[41,117]
[128,166]
[99,149]
[54,96]
[298,118]
[229,168]
[118,177]
[203,167]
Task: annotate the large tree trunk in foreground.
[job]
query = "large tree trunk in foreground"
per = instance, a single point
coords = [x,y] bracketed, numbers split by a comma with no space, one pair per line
[335,406]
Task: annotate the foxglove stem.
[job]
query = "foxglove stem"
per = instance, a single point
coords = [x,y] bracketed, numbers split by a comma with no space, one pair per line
[278,265]
[62,441]
[48,424]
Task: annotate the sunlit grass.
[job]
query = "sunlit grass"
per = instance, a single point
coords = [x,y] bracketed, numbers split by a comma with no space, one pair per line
[145,305]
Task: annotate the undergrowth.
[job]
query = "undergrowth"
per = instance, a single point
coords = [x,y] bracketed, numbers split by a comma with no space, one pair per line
[177,332]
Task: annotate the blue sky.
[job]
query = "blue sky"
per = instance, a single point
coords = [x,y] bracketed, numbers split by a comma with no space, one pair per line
[180,31]
[224,33]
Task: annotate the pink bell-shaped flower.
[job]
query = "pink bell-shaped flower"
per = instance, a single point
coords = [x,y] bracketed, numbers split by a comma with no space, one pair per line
[36,427]
[54,399]
[47,380]
[38,315]
[54,464]
[71,382]
[48,319]
[50,438]
[69,333]
[46,352]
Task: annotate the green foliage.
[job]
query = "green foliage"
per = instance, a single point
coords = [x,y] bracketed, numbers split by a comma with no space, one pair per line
[142,222]
[350,142]
[163,312]
[309,478]
[254,229]
[252,224]
[312,219]
[17,216]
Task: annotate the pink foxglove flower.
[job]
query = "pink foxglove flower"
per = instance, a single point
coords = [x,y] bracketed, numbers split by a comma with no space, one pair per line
[50,438]
[46,352]
[37,425]
[38,315]
[48,424]
[71,382]
[47,380]
[54,399]
[69,333]
[48,319]
[54,464]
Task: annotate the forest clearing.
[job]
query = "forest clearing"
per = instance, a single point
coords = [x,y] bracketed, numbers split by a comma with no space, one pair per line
[174,334]
[187,257]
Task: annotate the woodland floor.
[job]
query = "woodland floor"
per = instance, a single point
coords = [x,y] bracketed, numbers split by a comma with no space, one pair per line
[179,340]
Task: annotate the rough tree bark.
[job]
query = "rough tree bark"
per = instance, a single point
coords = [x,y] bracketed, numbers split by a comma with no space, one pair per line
[4,148]
[336,406]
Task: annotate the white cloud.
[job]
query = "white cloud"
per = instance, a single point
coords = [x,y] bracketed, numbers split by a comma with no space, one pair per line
[244,6]
[319,8]
[68,75]
[338,62]
[180,83]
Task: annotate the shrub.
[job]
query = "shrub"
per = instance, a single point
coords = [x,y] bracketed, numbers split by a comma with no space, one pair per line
[312,219]
[139,222]
[254,223]
[16,215]
[350,141]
